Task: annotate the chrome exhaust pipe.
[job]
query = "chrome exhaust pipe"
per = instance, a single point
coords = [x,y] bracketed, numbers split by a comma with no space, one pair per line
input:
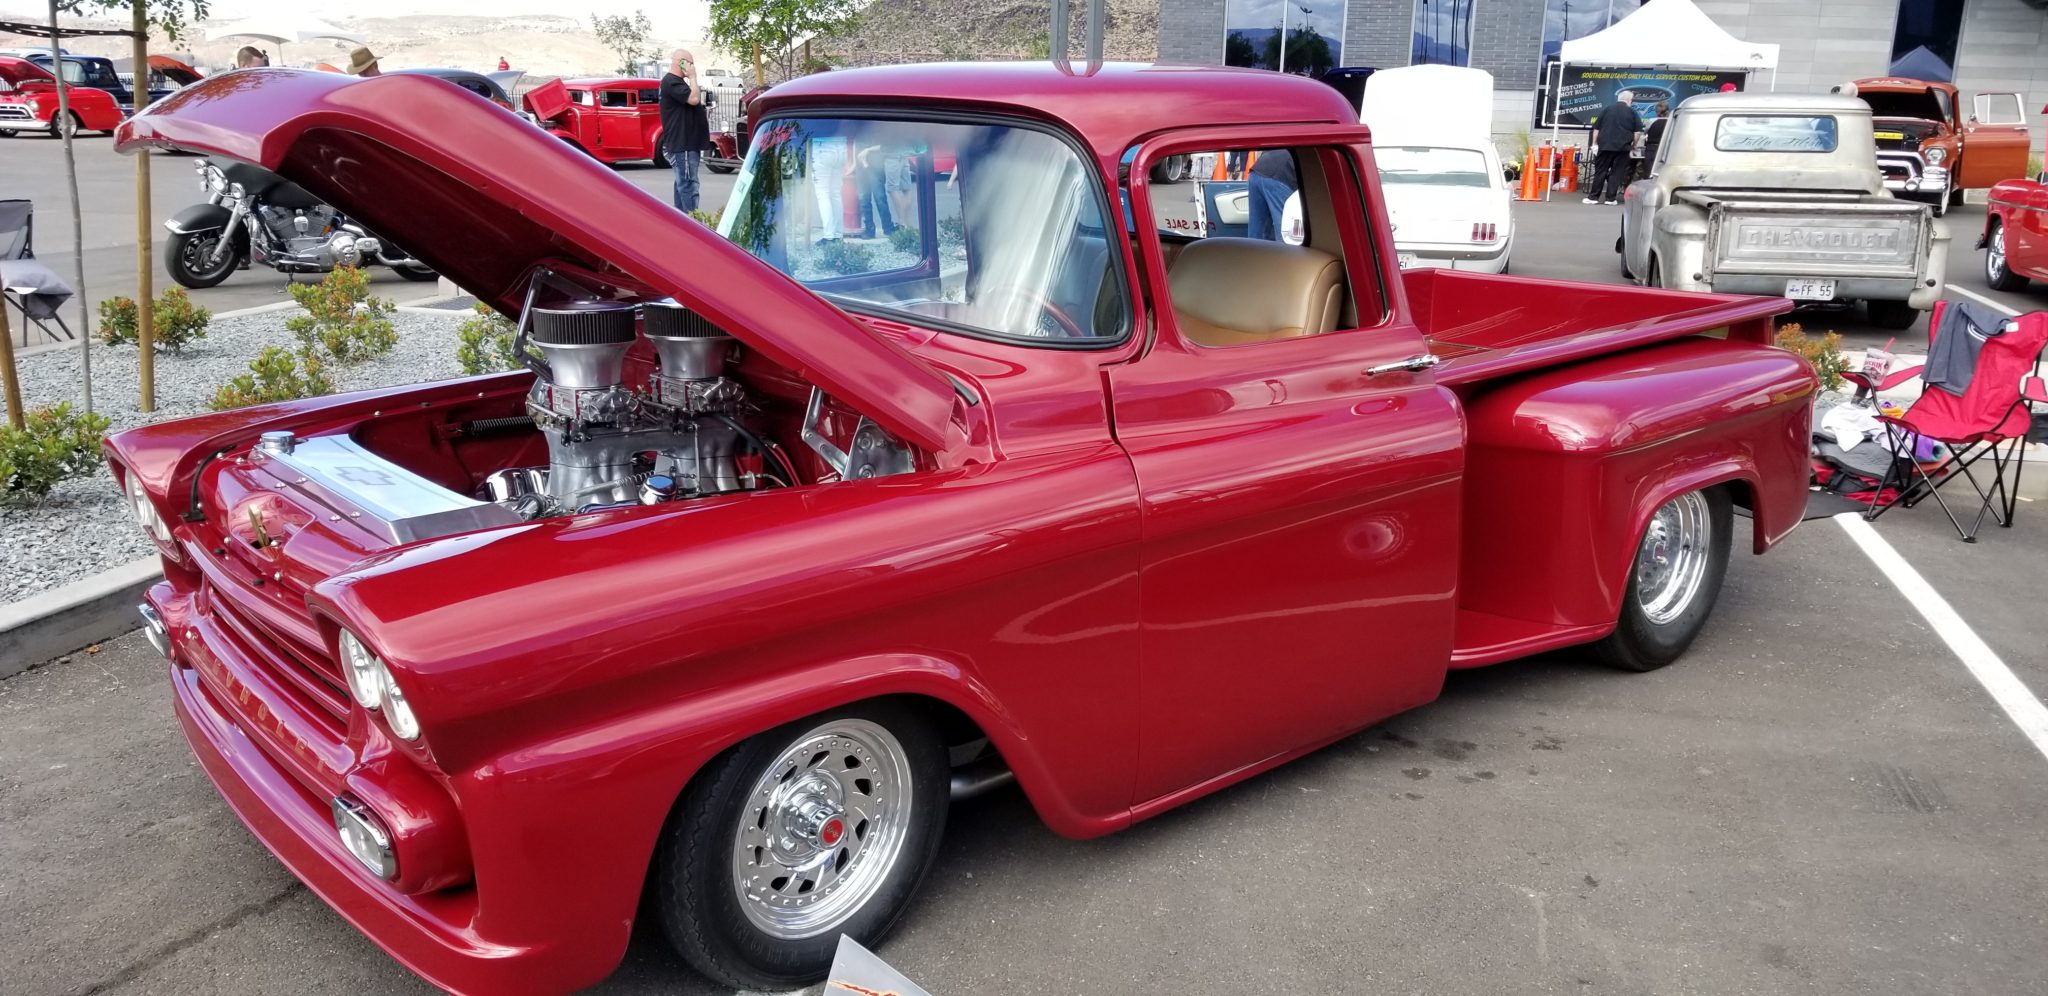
[153,627]
[980,778]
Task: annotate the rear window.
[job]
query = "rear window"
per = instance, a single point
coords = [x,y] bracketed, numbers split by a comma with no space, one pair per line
[1432,166]
[1776,133]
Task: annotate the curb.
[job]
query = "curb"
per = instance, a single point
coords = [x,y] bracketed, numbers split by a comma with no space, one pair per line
[57,622]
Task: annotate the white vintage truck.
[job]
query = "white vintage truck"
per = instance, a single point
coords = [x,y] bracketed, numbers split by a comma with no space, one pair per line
[1779,195]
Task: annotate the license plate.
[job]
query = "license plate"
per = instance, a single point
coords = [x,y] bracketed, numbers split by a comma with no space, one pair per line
[1406,260]
[1810,290]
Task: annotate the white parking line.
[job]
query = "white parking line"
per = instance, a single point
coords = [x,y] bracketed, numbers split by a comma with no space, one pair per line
[2006,689]
[1985,301]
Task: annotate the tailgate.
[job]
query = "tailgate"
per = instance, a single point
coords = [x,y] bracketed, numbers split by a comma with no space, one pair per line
[1867,238]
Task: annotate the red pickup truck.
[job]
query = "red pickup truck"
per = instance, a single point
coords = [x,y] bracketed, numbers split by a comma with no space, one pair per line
[789,536]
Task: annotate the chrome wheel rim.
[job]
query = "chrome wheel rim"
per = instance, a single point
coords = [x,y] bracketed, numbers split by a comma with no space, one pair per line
[194,253]
[1672,560]
[1994,260]
[821,829]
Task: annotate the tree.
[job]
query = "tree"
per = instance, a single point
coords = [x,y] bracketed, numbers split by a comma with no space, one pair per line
[778,28]
[631,37]
[1239,51]
[171,17]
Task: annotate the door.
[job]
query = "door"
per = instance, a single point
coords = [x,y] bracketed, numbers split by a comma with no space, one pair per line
[618,121]
[1995,141]
[2030,223]
[1300,516]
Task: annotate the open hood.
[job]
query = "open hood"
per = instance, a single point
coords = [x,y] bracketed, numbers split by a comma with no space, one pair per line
[548,100]
[484,197]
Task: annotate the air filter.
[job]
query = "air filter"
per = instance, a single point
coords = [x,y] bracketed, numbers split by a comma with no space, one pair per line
[669,320]
[591,323]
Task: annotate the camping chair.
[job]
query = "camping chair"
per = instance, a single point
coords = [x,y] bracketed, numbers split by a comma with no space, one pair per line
[32,288]
[17,229]
[1991,418]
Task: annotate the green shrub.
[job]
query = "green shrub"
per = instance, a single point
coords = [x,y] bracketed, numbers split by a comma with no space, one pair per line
[952,231]
[274,375]
[178,322]
[709,219]
[906,239]
[486,343]
[342,320]
[52,444]
[1823,352]
[845,257]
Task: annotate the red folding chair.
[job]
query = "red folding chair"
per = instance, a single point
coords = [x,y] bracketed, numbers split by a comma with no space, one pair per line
[1991,418]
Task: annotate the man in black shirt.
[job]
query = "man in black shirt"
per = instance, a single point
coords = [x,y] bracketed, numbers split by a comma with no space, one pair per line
[684,129]
[1614,134]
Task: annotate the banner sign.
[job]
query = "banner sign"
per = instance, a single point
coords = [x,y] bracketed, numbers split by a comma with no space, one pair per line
[1584,90]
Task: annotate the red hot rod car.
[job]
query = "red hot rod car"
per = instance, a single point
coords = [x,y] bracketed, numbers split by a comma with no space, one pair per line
[787,536]
[28,102]
[2015,240]
[614,120]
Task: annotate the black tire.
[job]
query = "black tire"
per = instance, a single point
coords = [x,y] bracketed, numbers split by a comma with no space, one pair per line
[1621,249]
[66,124]
[660,156]
[1997,267]
[1892,314]
[1642,641]
[1656,277]
[695,875]
[185,255]
[720,168]
[1172,169]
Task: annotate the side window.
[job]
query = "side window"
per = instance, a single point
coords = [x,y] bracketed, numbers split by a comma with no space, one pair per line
[579,97]
[615,98]
[650,96]
[1269,255]
[1999,109]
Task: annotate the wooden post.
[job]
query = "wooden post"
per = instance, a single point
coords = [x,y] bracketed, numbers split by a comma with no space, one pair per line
[7,377]
[145,298]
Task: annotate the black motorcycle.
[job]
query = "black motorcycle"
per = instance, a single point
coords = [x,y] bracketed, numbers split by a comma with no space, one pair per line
[254,215]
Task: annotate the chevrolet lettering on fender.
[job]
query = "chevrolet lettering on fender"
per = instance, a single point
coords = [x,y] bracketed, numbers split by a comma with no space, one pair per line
[775,548]
[1774,193]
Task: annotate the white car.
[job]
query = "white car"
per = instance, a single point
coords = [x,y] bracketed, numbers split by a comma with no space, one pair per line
[1439,171]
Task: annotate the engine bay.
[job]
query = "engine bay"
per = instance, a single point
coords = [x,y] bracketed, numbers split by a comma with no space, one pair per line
[633,402]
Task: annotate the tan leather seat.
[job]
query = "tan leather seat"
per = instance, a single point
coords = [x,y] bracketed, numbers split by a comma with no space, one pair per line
[1230,292]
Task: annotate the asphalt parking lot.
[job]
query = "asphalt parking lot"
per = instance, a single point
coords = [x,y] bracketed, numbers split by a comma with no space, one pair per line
[1821,797]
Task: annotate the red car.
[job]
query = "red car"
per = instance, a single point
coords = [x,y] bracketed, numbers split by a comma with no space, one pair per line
[614,120]
[28,102]
[2015,240]
[788,536]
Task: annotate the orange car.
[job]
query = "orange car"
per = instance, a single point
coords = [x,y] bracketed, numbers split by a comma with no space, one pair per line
[28,102]
[1930,150]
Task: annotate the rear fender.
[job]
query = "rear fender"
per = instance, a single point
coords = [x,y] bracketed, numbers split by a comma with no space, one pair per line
[1566,468]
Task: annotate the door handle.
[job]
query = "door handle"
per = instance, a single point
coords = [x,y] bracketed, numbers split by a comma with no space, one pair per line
[1420,362]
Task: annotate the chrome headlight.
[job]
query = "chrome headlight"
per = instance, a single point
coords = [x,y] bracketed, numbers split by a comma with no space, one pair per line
[371,685]
[1936,155]
[213,178]
[146,514]
[364,671]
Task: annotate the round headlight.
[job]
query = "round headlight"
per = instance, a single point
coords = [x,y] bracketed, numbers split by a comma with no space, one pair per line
[397,711]
[146,513]
[364,671]
[1936,155]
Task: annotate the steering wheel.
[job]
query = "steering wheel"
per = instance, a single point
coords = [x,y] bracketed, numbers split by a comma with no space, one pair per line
[1068,327]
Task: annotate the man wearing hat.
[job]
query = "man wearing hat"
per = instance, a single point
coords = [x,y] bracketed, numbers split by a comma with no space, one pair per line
[363,62]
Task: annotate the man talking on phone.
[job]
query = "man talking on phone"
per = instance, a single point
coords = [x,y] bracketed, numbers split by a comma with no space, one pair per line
[684,128]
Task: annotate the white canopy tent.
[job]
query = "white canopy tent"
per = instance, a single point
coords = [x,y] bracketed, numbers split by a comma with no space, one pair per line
[1672,34]
[1661,34]
[283,26]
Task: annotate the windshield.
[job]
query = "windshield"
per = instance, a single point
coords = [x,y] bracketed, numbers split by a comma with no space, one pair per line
[92,74]
[986,228]
[1432,166]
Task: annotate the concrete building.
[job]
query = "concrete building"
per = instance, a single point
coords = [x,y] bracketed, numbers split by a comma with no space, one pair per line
[1992,45]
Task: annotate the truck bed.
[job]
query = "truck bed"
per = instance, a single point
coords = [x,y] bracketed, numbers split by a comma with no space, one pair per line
[1486,326]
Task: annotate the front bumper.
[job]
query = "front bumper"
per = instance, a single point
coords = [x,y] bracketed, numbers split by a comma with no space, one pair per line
[220,700]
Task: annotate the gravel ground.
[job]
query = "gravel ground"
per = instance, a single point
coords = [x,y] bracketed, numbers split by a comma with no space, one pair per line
[84,527]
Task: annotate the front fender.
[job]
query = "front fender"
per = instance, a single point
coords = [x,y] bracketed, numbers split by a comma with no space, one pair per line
[198,218]
[1678,243]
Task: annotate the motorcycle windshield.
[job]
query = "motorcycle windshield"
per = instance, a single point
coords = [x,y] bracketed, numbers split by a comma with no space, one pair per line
[485,198]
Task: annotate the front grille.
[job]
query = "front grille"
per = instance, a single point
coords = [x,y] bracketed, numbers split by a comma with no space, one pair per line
[315,680]
[16,113]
